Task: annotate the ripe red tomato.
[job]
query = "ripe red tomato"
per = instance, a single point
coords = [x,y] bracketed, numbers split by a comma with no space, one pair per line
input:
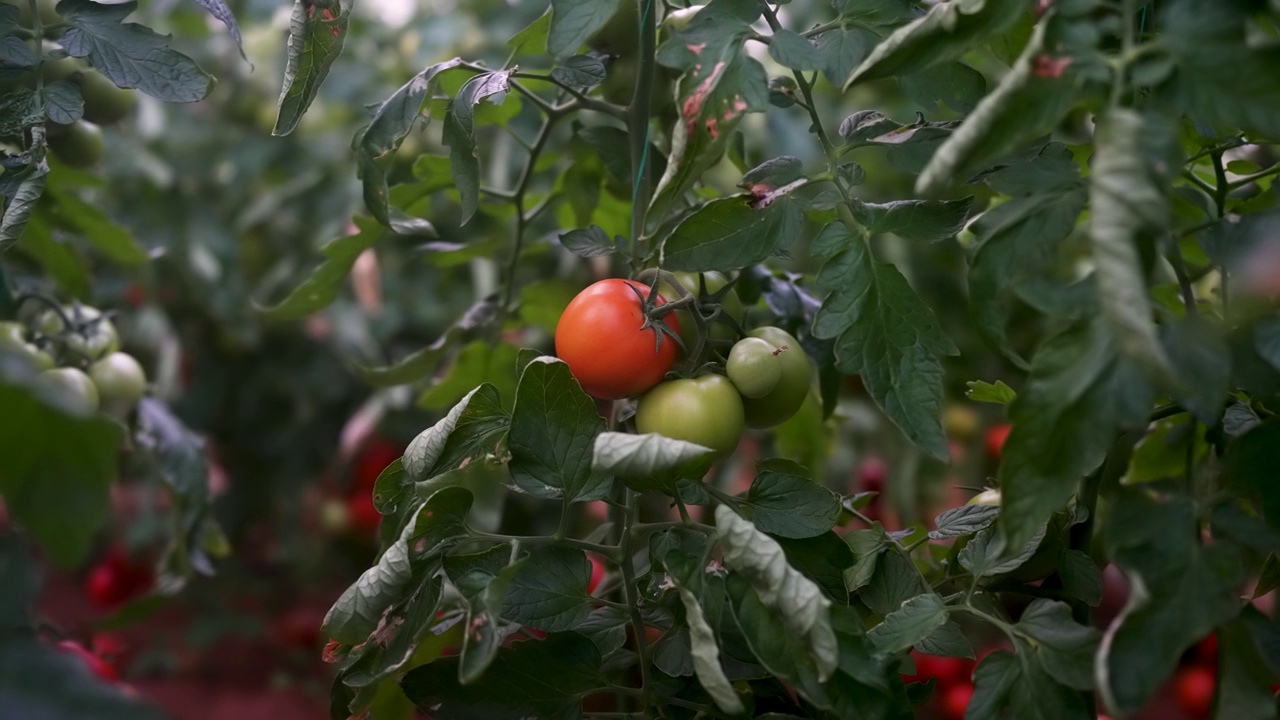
[597,573]
[362,513]
[1193,689]
[948,670]
[996,435]
[96,665]
[116,579]
[1206,652]
[955,701]
[299,627]
[600,339]
[373,459]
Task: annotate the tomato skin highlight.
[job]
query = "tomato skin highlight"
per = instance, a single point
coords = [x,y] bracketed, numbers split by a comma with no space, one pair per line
[706,410]
[599,337]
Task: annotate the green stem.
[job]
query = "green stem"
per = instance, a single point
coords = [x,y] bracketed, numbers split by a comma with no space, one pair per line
[608,551]
[1273,170]
[586,101]
[517,198]
[638,125]
[1184,279]
[1220,199]
[631,515]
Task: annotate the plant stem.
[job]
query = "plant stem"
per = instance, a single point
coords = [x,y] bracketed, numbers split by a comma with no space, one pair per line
[1220,198]
[517,198]
[608,551]
[586,101]
[630,516]
[1273,170]
[638,125]
[1184,280]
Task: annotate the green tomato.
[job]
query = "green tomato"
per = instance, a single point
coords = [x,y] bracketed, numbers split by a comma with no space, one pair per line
[120,381]
[754,367]
[13,336]
[91,335]
[786,398]
[706,410]
[81,146]
[730,305]
[990,496]
[72,385]
[104,103]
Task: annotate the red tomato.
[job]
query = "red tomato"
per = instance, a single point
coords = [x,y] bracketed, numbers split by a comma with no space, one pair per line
[996,435]
[956,700]
[600,339]
[299,627]
[1206,653]
[96,665]
[1193,689]
[597,573]
[373,459]
[115,579]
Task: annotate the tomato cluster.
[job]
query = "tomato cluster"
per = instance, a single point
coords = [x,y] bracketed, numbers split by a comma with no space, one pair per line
[79,144]
[75,348]
[620,341]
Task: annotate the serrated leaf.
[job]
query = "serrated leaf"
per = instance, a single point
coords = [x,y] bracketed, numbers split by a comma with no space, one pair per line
[131,55]
[316,37]
[1022,107]
[459,134]
[986,554]
[955,84]
[945,33]
[553,430]
[842,49]
[911,623]
[588,242]
[422,456]
[772,174]
[895,581]
[886,334]
[549,590]
[408,624]
[1064,647]
[802,607]
[1081,577]
[795,51]
[980,391]
[517,685]
[1179,591]
[580,71]
[947,641]
[1127,199]
[62,102]
[1081,393]
[729,233]
[993,678]
[923,220]
[219,10]
[866,546]
[963,520]
[784,500]
[706,657]
[573,22]
[326,281]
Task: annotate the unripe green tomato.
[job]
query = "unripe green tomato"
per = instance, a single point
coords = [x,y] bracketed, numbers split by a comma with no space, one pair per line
[990,496]
[73,384]
[730,304]
[679,19]
[104,103]
[90,338]
[754,367]
[786,398]
[706,410]
[121,382]
[80,147]
[13,336]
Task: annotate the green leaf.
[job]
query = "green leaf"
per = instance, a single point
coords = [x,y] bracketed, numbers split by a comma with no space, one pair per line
[843,49]
[316,37]
[922,220]
[477,362]
[1081,393]
[535,35]
[947,641]
[589,242]
[706,657]
[802,607]
[1064,647]
[20,206]
[580,71]
[784,500]
[460,136]
[894,582]
[482,579]
[1244,678]
[1038,695]
[423,361]
[729,233]
[553,431]
[1268,576]
[423,458]
[911,623]
[963,520]
[648,461]
[518,685]
[63,103]
[885,333]
[866,546]
[128,54]
[1127,199]
[549,590]
[1201,360]
[772,174]
[955,84]
[58,466]
[406,626]
[824,559]
[1250,466]
[993,679]
[326,281]
[795,51]
[573,22]
[1023,106]
[391,122]
[987,554]
[357,613]
[102,232]
[945,33]
[1081,577]
[1000,394]
[1179,591]
[38,680]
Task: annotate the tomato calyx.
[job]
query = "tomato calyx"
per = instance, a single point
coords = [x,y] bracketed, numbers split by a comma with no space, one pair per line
[654,314]
[705,308]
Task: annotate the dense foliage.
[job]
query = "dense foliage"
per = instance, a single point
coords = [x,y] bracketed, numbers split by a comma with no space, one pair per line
[936,311]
